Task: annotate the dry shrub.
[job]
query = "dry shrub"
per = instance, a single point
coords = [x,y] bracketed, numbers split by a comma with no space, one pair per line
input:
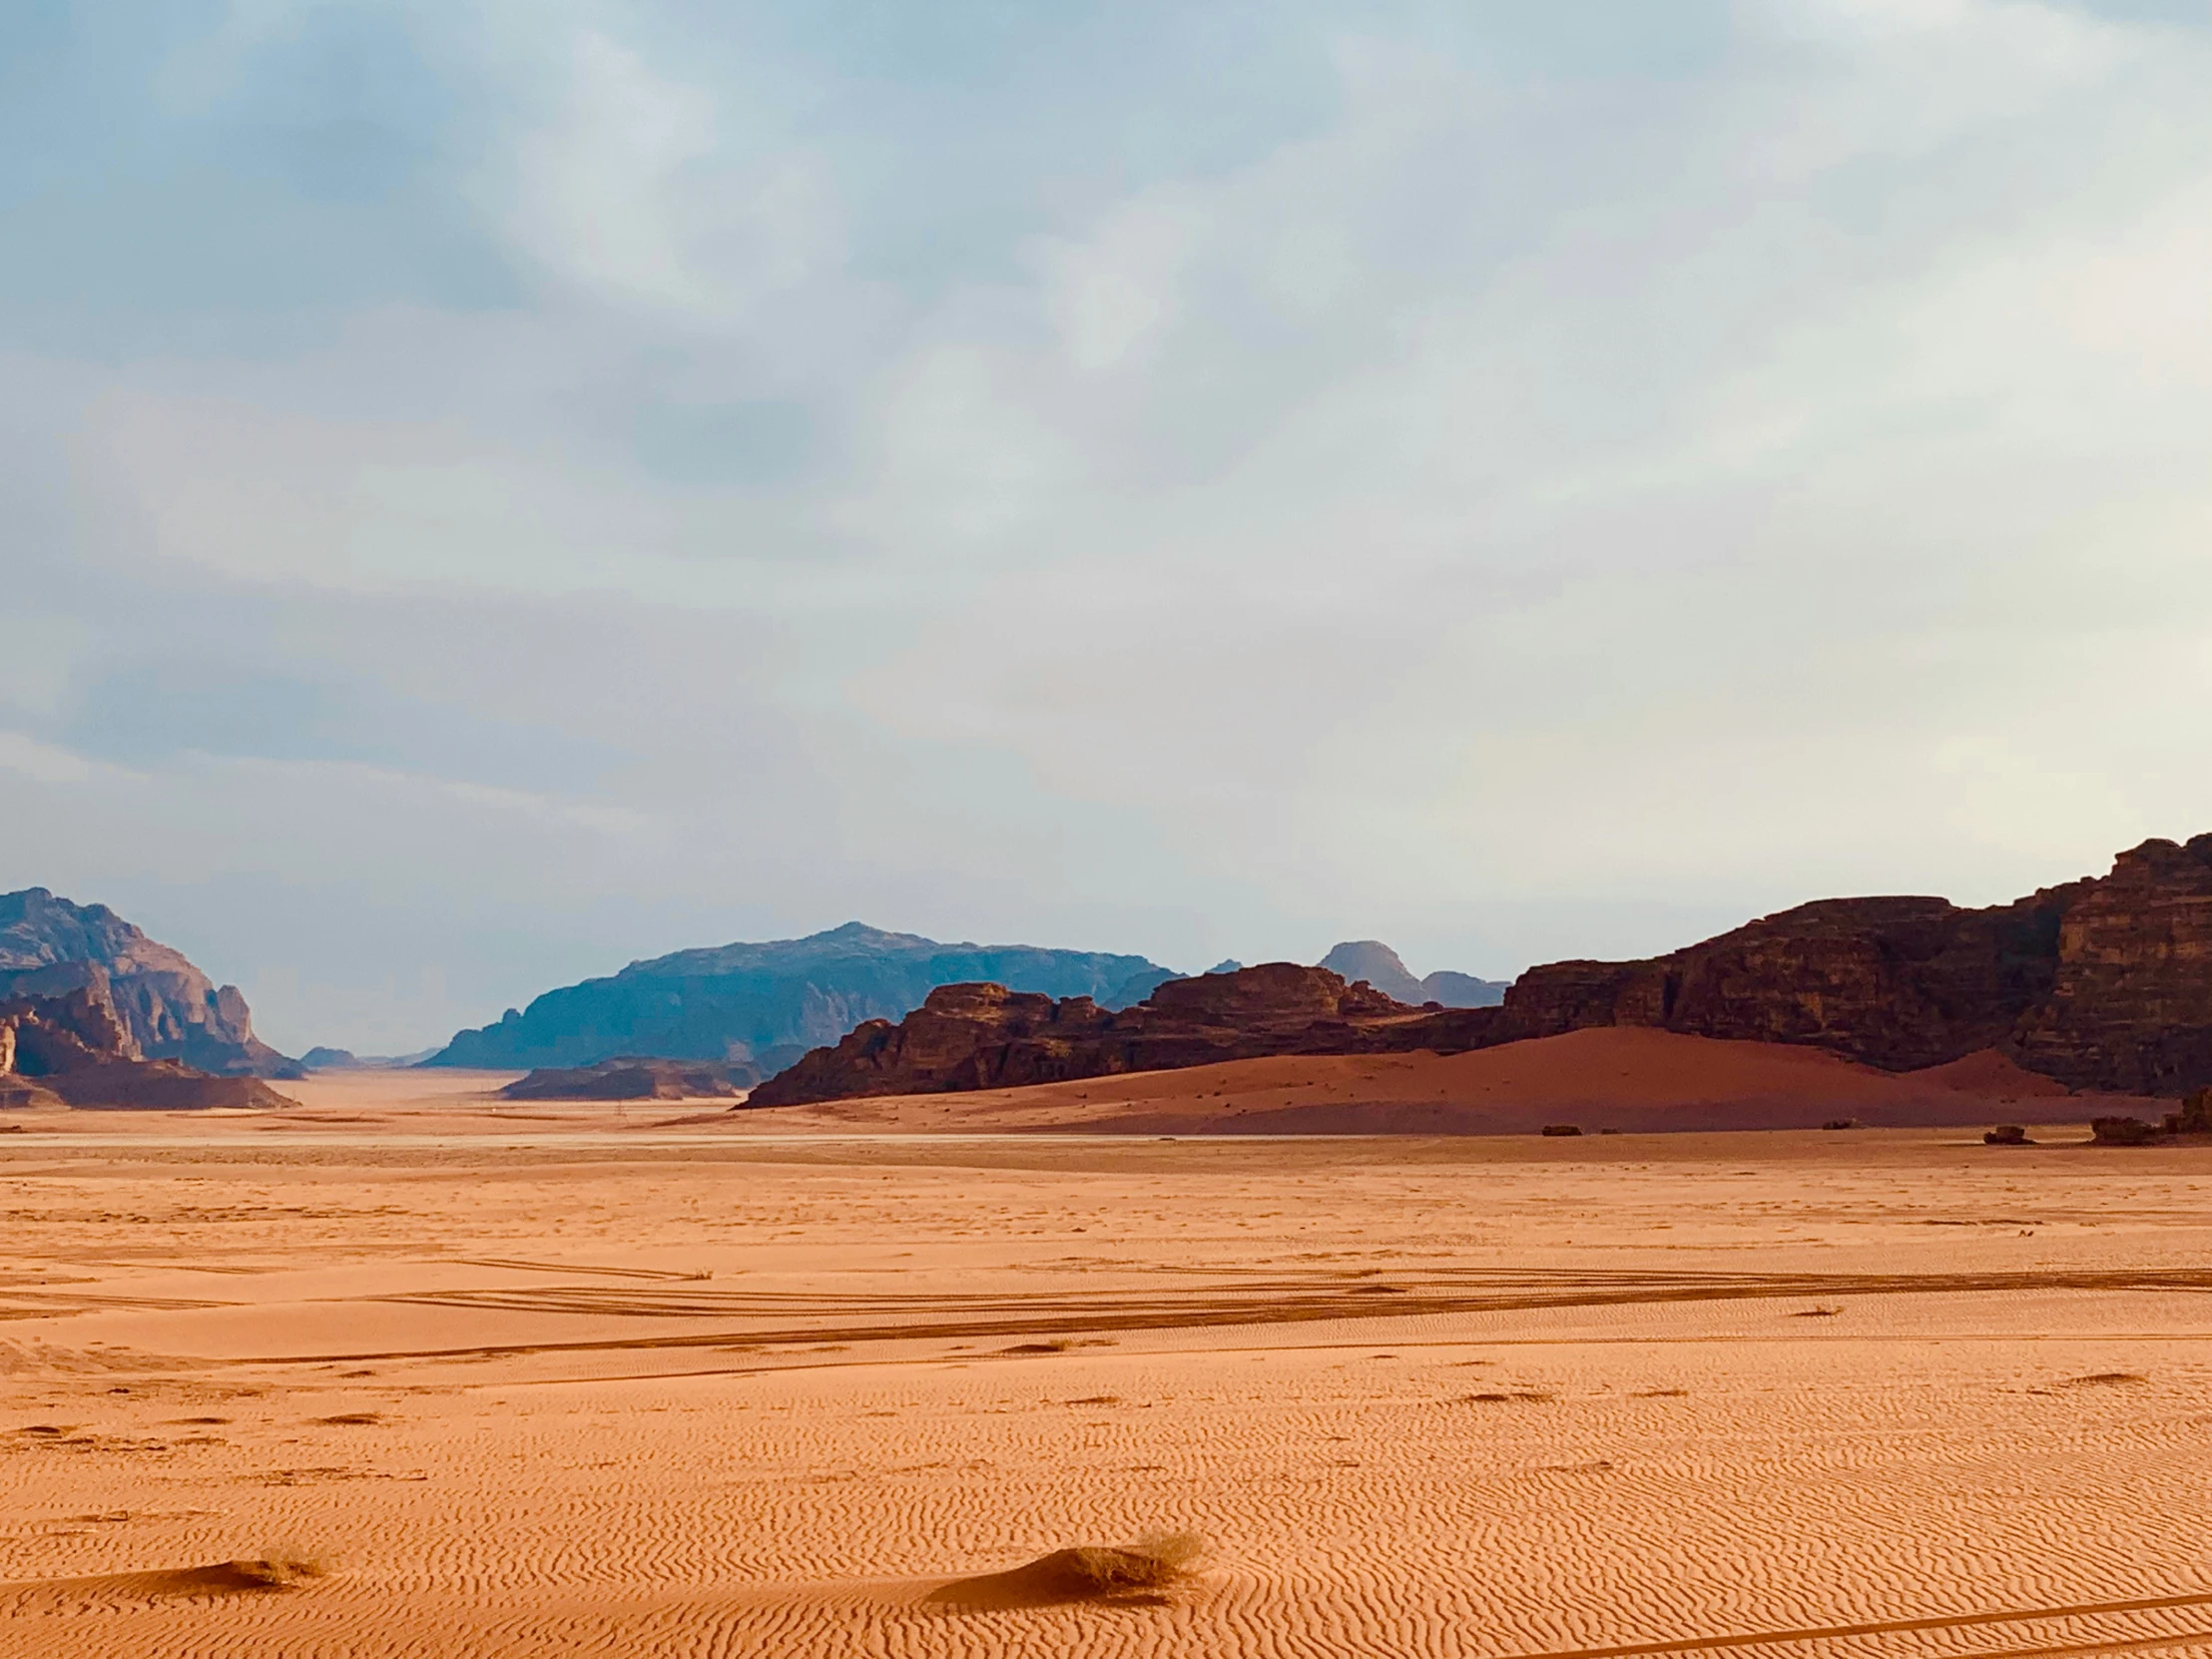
[2123,1131]
[1132,1574]
[284,1566]
[1179,1552]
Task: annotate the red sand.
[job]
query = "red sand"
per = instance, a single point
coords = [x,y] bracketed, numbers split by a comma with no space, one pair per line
[1613,1078]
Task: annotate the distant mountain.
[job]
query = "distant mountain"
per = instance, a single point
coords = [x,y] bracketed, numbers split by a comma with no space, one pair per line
[768,1003]
[168,1009]
[1463,990]
[345,1059]
[1379,965]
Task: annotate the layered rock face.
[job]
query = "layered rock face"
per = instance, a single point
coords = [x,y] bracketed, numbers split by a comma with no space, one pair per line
[983,1036]
[2130,1003]
[766,1004]
[2104,983]
[73,1050]
[169,1009]
[1898,983]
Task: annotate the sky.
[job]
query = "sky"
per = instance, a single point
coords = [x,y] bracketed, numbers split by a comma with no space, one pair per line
[491,490]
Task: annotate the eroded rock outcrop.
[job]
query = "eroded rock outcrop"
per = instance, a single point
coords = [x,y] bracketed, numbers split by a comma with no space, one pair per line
[1898,983]
[983,1036]
[2102,984]
[2130,1003]
[50,946]
[74,1049]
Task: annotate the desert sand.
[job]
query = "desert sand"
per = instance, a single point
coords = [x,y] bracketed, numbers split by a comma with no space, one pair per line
[403,1371]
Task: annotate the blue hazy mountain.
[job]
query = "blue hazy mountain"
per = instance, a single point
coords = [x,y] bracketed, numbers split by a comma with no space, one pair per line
[766,1004]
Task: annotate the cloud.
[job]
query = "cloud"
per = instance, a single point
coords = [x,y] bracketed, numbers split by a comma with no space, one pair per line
[1514,484]
[626,187]
[45,764]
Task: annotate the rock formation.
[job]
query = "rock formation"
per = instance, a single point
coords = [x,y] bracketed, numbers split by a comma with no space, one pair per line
[634,1077]
[766,1004]
[1380,966]
[1898,983]
[169,1009]
[2102,984]
[2129,1002]
[983,1036]
[73,1049]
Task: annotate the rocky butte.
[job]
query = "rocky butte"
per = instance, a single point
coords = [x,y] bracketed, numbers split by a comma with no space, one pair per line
[987,1037]
[2104,984]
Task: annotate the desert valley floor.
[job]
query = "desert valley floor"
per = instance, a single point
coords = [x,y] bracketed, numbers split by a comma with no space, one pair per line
[639,1382]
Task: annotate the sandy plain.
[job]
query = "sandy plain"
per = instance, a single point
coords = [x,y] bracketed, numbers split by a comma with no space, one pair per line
[659,1381]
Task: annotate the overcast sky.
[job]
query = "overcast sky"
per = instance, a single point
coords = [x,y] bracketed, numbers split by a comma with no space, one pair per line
[493,488]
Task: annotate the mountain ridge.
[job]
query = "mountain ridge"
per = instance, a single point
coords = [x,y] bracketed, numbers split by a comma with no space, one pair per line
[766,1002]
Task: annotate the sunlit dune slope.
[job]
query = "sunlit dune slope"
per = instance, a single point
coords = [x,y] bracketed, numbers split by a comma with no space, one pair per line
[1613,1078]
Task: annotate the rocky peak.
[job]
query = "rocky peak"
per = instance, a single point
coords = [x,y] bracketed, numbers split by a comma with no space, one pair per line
[1379,965]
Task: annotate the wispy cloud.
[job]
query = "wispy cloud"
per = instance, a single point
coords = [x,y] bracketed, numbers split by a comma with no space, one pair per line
[1141,476]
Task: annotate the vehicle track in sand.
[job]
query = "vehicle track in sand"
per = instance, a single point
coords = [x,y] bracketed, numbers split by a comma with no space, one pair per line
[1258,1301]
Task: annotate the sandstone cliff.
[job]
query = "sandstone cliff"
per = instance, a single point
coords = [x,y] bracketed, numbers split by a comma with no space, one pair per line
[73,1049]
[983,1036]
[1898,983]
[2129,1006]
[2104,983]
[169,1010]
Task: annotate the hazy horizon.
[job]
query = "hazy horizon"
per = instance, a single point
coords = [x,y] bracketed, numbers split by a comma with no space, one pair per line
[495,492]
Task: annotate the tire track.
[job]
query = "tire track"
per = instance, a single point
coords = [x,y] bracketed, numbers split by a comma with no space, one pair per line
[1889,1627]
[1281,1301]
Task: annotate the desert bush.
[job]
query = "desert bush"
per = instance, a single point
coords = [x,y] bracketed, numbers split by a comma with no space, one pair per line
[283,1566]
[2123,1131]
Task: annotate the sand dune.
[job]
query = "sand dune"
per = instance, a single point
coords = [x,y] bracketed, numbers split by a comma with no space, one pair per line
[644,1393]
[1620,1078]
